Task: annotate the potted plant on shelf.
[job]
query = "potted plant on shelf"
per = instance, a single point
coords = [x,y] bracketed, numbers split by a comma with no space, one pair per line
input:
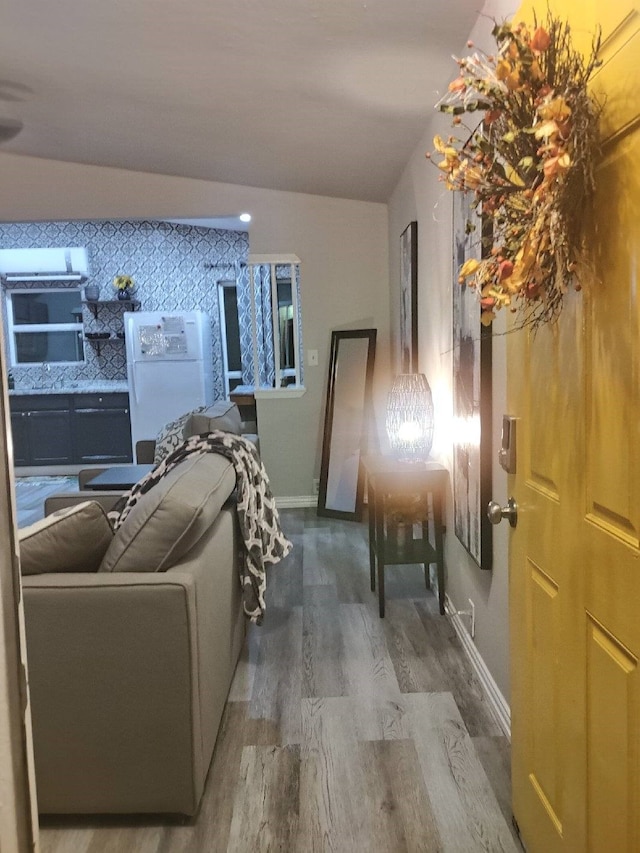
[124,285]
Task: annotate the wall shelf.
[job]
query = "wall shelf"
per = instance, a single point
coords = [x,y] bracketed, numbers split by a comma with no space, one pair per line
[98,342]
[95,304]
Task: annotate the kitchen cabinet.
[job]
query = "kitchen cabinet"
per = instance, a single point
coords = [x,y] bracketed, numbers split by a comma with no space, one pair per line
[20,439]
[62,429]
[102,428]
[42,430]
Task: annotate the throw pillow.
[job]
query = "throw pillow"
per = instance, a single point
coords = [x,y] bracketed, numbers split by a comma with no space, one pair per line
[172,435]
[74,539]
[172,516]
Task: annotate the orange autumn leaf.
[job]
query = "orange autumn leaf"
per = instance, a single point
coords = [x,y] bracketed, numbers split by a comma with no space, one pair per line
[540,40]
[503,69]
[557,108]
[457,85]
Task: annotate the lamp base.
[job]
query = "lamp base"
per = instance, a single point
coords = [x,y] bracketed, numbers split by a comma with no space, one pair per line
[414,461]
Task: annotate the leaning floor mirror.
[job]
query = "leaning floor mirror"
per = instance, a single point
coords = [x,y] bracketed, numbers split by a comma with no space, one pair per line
[348,423]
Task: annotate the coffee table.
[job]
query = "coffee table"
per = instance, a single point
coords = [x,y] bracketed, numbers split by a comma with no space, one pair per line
[120,478]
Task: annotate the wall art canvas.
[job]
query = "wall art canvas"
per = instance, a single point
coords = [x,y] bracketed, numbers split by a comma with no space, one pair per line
[409,299]
[471,396]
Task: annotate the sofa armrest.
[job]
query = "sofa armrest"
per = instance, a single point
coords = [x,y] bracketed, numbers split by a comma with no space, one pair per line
[122,671]
[62,500]
[145,451]
[113,681]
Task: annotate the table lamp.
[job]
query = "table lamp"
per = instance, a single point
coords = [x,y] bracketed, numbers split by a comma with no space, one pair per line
[410,417]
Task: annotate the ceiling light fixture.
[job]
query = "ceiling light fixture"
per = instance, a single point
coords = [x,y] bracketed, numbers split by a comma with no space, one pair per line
[245,217]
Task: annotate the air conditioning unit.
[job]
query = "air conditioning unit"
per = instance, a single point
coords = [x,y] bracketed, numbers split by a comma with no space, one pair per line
[71,264]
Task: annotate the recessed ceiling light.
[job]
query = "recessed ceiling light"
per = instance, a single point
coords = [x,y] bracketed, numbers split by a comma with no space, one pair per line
[245,217]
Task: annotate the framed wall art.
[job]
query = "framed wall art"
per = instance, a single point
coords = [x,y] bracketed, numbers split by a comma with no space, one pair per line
[409,299]
[471,396]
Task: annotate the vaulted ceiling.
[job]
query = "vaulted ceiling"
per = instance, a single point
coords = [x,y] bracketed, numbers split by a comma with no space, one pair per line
[317,96]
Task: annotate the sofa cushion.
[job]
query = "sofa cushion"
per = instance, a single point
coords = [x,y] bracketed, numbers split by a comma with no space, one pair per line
[171,436]
[222,415]
[74,539]
[172,516]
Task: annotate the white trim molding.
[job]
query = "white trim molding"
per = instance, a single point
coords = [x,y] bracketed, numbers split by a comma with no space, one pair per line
[276,393]
[297,501]
[498,703]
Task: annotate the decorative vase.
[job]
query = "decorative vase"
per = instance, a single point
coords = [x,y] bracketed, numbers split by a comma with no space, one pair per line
[92,293]
[124,294]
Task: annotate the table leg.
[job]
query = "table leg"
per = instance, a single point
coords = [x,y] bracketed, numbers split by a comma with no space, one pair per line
[380,549]
[437,529]
[372,535]
[425,541]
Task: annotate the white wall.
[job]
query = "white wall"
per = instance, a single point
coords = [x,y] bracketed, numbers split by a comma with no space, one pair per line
[420,196]
[344,275]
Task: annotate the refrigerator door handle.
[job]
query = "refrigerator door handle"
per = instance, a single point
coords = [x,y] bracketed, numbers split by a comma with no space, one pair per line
[134,387]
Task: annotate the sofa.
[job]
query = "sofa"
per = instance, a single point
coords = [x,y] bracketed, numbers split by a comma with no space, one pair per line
[221,415]
[132,641]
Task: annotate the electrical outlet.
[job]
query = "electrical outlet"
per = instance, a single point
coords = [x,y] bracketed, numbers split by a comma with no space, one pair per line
[316,485]
[473,619]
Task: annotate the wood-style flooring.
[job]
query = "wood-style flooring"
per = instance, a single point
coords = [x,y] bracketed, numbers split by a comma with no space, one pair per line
[343,731]
[32,491]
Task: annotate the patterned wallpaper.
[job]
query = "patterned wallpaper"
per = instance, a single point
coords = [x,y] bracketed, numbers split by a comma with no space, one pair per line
[174,267]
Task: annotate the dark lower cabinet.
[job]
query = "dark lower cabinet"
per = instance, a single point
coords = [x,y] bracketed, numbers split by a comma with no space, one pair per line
[102,428]
[50,441]
[20,438]
[42,430]
[59,429]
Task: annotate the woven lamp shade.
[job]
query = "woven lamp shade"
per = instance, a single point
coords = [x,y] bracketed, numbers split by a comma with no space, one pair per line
[410,417]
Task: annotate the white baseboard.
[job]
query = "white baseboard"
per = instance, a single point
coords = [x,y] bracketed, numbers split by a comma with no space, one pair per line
[498,703]
[296,501]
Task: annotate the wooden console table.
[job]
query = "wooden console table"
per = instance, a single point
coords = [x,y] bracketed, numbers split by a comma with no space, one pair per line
[395,489]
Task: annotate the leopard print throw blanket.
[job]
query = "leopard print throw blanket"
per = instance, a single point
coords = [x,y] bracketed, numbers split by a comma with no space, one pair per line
[264,542]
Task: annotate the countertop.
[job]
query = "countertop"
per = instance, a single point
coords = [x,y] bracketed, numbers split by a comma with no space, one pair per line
[78,387]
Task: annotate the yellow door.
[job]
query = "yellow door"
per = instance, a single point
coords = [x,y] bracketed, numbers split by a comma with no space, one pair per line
[574,556]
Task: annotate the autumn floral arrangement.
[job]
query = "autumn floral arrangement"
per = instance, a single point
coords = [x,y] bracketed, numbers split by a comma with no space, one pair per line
[528,166]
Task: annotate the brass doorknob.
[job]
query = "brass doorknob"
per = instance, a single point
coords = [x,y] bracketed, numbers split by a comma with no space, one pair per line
[495,512]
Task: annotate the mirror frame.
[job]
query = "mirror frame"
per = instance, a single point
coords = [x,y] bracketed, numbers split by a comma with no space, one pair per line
[367,422]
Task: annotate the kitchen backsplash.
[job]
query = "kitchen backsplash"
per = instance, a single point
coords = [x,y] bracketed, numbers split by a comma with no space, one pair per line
[175,267]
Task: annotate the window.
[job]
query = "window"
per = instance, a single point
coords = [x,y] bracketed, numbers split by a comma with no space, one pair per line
[230,328]
[261,325]
[285,327]
[274,288]
[45,326]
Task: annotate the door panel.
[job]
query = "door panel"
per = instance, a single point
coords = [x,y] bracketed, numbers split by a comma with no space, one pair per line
[545,637]
[612,709]
[620,74]
[575,555]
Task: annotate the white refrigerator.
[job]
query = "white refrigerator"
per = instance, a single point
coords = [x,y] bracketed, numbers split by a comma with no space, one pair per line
[169,367]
